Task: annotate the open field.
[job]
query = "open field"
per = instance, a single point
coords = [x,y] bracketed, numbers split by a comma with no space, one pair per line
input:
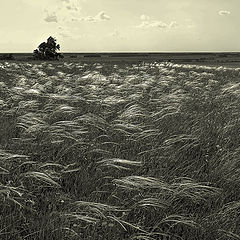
[102,151]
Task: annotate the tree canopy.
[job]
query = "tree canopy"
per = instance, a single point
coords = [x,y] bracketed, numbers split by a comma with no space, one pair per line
[48,50]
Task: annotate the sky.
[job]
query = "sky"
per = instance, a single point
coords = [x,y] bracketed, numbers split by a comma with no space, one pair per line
[121,25]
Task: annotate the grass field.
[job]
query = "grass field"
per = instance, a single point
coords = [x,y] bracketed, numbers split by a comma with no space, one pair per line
[119,151]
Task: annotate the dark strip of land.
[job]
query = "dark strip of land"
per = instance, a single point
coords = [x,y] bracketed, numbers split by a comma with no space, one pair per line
[179,57]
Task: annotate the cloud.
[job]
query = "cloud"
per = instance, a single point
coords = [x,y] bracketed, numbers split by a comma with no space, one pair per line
[152,24]
[148,22]
[51,17]
[144,17]
[63,12]
[173,24]
[72,5]
[224,13]
[101,16]
[89,19]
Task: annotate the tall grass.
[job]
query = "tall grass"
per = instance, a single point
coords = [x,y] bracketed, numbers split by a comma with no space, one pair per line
[125,151]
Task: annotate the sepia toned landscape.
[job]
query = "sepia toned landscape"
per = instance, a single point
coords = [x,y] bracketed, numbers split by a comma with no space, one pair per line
[119,151]
[119,120]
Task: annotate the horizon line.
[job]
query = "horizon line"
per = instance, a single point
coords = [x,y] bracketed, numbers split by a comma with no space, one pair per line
[103,52]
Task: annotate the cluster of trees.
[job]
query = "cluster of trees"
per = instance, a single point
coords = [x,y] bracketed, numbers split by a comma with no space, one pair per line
[48,50]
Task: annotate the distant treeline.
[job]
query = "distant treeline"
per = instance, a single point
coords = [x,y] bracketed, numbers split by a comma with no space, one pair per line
[7,56]
[48,51]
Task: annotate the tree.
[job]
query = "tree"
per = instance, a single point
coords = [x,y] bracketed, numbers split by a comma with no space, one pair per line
[48,50]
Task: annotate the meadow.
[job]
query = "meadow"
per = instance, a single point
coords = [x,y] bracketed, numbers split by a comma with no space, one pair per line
[102,151]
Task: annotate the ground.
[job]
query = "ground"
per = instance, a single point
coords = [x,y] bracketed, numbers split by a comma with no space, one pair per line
[119,151]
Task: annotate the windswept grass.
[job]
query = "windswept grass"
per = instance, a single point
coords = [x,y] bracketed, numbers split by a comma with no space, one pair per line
[126,151]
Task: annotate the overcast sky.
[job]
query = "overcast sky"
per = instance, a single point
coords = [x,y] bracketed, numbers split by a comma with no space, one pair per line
[121,25]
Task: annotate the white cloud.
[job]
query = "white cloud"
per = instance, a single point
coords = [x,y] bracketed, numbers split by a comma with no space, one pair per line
[70,11]
[89,19]
[72,5]
[148,22]
[173,24]
[224,13]
[158,24]
[101,16]
[144,17]
[51,17]
[152,24]
[67,11]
